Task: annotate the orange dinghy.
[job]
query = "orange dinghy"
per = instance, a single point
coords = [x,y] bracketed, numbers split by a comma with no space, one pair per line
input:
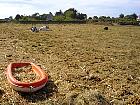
[26,86]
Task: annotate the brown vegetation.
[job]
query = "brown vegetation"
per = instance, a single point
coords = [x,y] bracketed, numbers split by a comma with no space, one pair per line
[25,74]
[86,64]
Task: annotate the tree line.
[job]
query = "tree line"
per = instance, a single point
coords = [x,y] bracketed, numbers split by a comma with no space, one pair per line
[72,14]
[122,19]
[128,19]
[68,15]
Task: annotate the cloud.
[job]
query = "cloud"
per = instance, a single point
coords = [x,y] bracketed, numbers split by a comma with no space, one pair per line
[90,7]
[15,2]
[11,9]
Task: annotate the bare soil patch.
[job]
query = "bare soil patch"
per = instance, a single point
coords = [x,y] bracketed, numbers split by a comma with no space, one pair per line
[79,60]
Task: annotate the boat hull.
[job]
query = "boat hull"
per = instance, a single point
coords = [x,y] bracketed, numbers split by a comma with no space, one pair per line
[24,86]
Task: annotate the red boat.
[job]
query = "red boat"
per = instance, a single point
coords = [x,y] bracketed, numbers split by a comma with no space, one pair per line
[25,86]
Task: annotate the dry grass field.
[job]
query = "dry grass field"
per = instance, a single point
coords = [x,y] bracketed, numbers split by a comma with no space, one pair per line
[86,64]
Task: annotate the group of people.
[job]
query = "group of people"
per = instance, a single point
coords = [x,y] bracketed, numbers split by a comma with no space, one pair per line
[43,28]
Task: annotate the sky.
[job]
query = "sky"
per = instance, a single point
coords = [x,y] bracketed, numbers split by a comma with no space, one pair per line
[92,8]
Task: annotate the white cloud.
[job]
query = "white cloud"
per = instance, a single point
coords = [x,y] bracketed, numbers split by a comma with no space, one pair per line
[90,7]
[10,10]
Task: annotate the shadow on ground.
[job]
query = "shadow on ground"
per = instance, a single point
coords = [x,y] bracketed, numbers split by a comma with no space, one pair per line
[43,94]
[1,93]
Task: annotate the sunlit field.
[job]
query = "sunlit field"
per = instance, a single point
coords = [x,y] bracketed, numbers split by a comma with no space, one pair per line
[86,64]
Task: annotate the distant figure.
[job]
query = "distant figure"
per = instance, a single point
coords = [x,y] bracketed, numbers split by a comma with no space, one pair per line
[34,29]
[44,28]
[106,28]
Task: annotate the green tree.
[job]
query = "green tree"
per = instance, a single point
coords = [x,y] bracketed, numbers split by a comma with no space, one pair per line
[121,15]
[60,13]
[90,18]
[59,18]
[134,16]
[81,16]
[43,17]
[95,17]
[102,18]
[108,18]
[36,16]
[11,18]
[17,17]
[71,13]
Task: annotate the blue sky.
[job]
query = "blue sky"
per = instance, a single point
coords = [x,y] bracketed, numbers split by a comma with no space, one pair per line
[90,7]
